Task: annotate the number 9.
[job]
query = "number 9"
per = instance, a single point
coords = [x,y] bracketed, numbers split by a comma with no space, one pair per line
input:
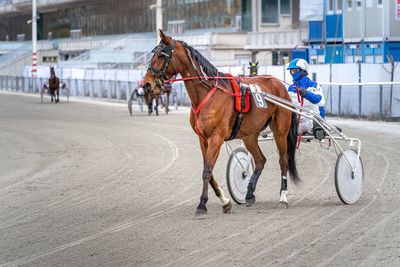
[259,100]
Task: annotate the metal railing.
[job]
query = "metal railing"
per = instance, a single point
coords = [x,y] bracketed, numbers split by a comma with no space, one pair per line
[101,89]
[371,100]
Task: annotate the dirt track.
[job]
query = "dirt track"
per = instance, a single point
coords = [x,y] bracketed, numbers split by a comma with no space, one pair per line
[87,185]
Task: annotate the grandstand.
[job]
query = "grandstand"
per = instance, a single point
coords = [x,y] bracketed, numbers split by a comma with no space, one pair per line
[118,34]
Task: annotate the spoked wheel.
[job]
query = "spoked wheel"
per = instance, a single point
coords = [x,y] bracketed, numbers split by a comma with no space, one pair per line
[349,184]
[239,170]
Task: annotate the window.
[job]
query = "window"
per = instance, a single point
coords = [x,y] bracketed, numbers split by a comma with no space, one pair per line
[358,4]
[349,4]
[379,3]
[49,59]
[269,11]
[330,6]
[285,7]
[275,58]
[339,6]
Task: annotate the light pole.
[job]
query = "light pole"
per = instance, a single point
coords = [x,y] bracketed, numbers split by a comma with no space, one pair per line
[159,22]
[34,40]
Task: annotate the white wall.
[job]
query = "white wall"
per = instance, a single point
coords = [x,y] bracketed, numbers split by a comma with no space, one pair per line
[341,73]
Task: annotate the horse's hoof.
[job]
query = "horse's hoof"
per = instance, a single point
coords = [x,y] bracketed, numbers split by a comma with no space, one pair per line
[283,204]
[200,213]
[227,208]
[250,202]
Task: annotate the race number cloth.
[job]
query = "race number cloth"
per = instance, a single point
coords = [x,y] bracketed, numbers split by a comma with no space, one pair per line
[258,95]
[242,103]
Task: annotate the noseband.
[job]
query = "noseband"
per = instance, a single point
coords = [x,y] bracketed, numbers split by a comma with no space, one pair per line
[167,52]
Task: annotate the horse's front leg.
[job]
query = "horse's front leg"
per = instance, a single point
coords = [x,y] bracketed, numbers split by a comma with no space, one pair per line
[210,151]
[167,103]
[226,203]
[156,107]
[58,96]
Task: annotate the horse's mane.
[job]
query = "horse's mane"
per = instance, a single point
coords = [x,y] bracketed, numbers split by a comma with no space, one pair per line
[206,66]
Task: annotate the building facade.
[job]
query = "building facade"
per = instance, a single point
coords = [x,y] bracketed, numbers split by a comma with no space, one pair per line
[352,31]
[262,30]
[57,18]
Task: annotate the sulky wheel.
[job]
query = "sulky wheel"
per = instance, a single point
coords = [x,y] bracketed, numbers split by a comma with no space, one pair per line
[239,170]
[349,184]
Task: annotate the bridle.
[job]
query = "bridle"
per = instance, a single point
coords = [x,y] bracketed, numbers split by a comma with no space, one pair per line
[159,76]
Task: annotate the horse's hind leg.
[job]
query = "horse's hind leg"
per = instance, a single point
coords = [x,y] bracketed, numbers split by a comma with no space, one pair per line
[280,135]
[252,146]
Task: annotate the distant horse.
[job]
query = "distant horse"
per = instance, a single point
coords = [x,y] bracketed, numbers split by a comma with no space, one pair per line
[213,116]
[54,86]
[149,98]
[161,96]
[165,97]
[253,68]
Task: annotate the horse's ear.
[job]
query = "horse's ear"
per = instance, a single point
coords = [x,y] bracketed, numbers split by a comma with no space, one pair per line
[165,38]
[257,63]
[250,63]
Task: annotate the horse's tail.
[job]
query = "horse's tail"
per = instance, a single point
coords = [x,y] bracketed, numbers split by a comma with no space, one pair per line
[291,150]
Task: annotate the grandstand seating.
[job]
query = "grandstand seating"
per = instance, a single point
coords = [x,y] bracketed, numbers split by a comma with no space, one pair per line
[128,51]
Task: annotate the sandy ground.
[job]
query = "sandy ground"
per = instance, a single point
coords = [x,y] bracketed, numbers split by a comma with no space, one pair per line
[87,185]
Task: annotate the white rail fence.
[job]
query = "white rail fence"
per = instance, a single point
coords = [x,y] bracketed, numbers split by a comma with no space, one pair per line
[372,100]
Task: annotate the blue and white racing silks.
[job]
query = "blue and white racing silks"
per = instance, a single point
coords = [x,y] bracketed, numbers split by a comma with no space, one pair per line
[314,100]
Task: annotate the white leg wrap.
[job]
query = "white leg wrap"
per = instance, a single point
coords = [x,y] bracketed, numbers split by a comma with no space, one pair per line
[283,197]
[223,199]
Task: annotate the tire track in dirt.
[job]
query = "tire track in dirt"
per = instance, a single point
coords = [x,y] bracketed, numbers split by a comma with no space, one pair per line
[116,228]
[342,224]
[234,235]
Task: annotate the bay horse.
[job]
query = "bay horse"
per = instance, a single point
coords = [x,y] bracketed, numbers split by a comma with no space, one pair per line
[54,86]
[213,115]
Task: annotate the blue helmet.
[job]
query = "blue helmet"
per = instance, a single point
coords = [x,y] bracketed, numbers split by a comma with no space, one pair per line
[298,63]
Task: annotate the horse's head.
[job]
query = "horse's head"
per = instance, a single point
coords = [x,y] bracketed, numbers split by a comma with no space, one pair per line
[253,68]
[163,64]
[52,72]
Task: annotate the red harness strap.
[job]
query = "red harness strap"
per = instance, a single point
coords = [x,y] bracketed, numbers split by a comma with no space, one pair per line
[198,108]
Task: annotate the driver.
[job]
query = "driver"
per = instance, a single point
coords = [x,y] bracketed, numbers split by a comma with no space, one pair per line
[307,93]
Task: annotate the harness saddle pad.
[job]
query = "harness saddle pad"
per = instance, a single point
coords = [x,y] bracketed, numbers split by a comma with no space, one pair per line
[242,96]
